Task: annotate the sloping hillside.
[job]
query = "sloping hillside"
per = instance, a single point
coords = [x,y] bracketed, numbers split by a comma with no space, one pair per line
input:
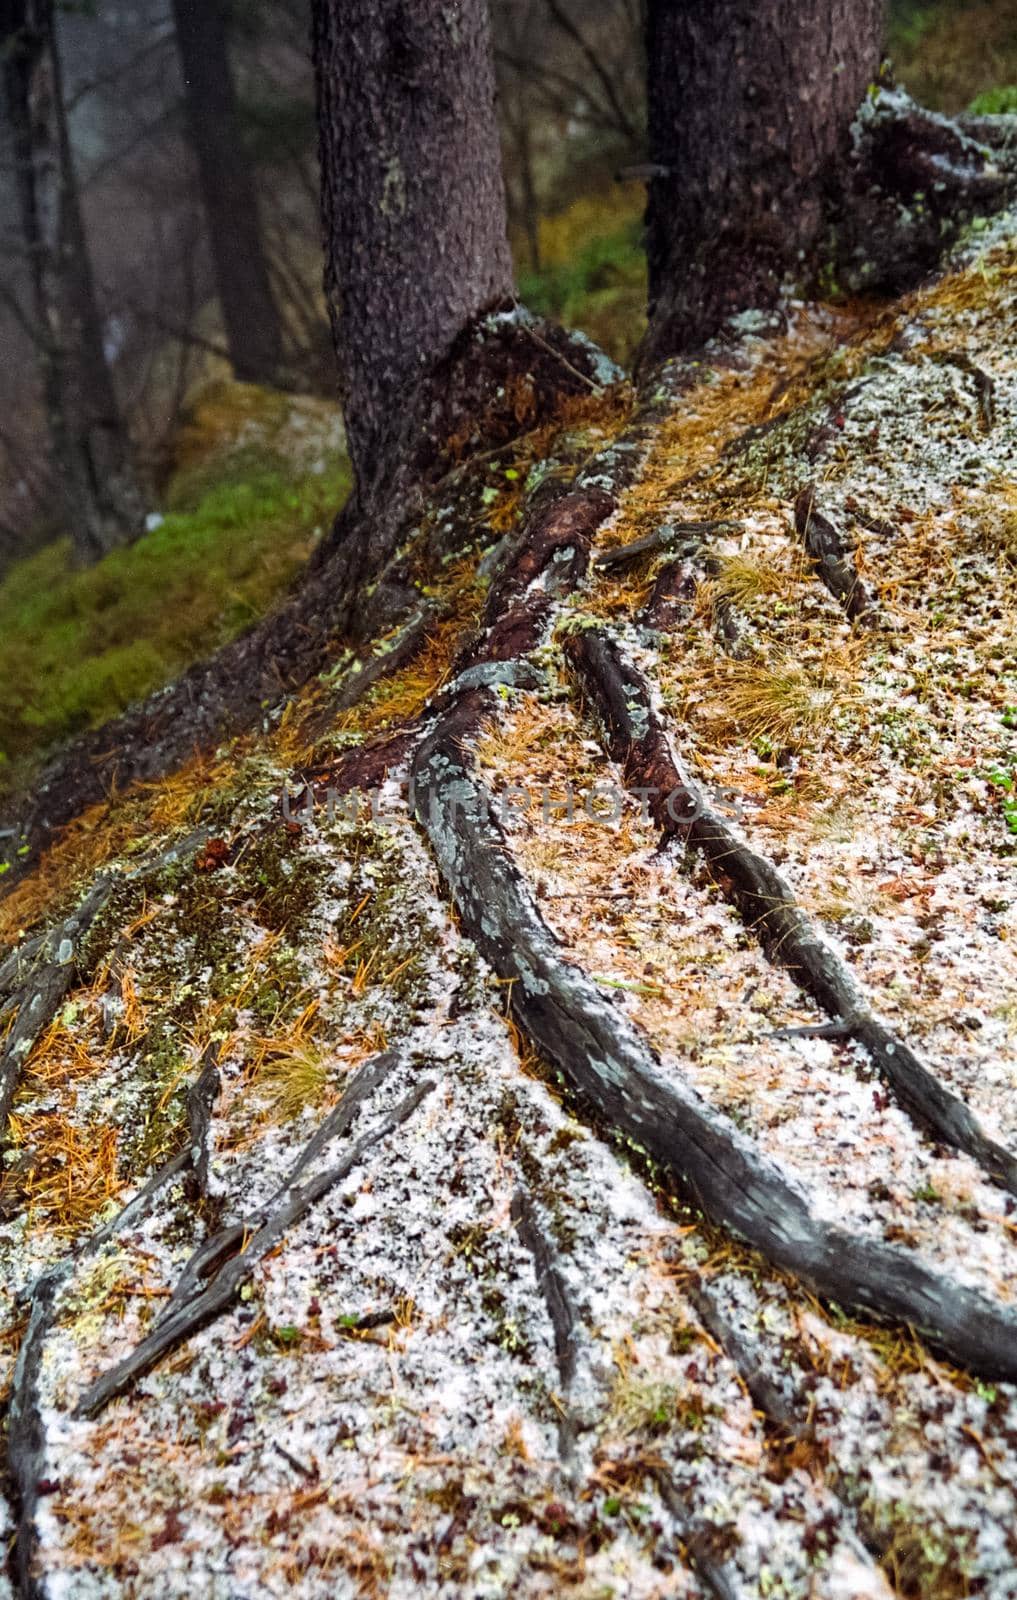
[645,1224]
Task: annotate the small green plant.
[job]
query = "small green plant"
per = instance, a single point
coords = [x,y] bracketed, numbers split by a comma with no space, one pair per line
[999,100]
[1005,784]
[286,1337]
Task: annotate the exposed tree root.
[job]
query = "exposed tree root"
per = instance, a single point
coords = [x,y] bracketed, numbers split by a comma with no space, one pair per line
[53,967]
[26,1430]
[675,587]
[608,1063]
[913,179]
[983,385]
[246,1243]
[201,1097]
[498,384]
[556,1296]
[718,1579]
[17,966]
[49,964]
[779,1413]
[678,579]
[638,741]
[682,538]
[831,560]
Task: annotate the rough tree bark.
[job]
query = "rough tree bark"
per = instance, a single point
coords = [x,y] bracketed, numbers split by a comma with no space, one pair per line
[413,205]
[750,106]
[103,503]
[249,312]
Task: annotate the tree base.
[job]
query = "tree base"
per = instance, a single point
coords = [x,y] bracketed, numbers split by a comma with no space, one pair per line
[887,212]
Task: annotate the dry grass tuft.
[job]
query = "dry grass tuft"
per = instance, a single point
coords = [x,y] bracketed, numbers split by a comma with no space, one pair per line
[293,1081]
[997,526]
[403,696]
[292,1069]
[783,701]
[288,1066]
[643,1406]
[745,581]
[925,1564]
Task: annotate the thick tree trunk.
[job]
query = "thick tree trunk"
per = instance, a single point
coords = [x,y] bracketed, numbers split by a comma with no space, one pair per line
[413,205]
[249,311]
[104,506]
[750,107]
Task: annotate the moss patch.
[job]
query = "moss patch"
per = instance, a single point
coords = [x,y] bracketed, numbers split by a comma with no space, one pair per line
[79,646]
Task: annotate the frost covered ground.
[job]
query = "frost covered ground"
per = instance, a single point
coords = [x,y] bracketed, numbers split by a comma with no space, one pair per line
[501,1355]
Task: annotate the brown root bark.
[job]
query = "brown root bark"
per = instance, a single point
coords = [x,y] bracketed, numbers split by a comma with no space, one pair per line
[217,1269]
[830,558]
[504,377]
[637,740]
[619,1079]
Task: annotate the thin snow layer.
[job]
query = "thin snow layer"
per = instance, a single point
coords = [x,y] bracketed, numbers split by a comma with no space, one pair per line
[287,1450]
[681,962]
[496,1359]
[384,1408]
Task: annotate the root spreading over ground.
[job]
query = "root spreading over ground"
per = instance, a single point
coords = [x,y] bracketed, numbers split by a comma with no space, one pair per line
[540,1116]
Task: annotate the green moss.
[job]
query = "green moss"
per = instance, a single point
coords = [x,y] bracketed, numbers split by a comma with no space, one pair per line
[283,881]
[160,1080]
[1002,100]
[601,290]
[76,647]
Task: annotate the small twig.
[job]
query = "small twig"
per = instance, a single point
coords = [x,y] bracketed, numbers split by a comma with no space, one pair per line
[297,1465]
[815,1030]
[598,388]
[665,537]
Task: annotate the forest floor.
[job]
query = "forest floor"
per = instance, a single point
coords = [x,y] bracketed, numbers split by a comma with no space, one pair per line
[493,1351]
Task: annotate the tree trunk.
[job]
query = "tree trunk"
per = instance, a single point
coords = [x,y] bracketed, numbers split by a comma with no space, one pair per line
[413,204]
[750,107]
[249,311]
[103,503]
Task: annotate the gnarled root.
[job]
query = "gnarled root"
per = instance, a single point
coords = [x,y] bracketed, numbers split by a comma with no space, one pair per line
[753,885]
[215,1272]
